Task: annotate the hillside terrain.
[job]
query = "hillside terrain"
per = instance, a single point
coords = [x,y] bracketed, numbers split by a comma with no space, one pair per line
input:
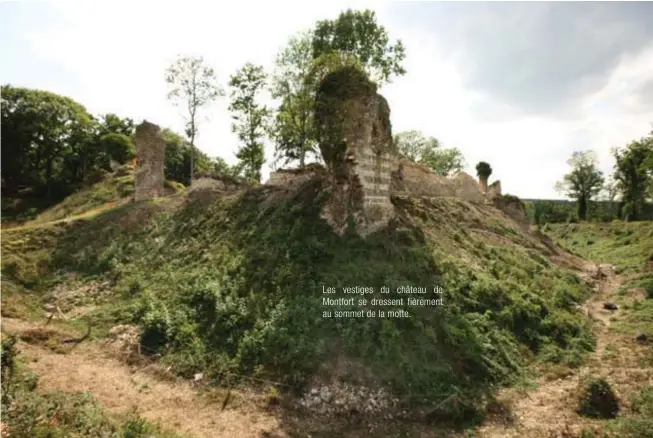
[204,309]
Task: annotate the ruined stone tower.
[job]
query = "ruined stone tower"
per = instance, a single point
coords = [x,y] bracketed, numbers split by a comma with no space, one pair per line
[150,156]
[355,137]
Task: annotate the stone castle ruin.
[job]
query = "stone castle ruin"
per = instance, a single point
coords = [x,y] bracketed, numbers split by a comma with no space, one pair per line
[150,156]
[364,168]
[355,137]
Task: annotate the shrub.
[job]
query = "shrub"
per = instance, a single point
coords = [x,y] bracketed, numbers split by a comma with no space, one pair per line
[597,400]
[8,356]
[647,284]
[117,146]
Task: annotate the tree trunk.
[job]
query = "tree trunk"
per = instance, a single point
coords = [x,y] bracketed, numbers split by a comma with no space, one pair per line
[192,154]
[582,209]
[302,158]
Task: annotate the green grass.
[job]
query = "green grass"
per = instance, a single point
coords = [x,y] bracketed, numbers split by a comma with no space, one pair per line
[106,193]
[233,286]
[17,209]
[636,422]
[628,245]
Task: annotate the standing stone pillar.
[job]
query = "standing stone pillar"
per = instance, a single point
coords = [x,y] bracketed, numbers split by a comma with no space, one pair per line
[353,126]
[150,156]
[482,182]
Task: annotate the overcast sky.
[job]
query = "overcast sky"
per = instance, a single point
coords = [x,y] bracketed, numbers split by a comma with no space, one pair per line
[520,85]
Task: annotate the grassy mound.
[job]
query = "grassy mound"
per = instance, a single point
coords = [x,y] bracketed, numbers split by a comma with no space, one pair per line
[109,191]
[232,286]
[628,245]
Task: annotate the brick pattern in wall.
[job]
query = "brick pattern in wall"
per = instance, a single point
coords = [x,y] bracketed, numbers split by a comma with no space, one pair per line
[412,179]
[374,173]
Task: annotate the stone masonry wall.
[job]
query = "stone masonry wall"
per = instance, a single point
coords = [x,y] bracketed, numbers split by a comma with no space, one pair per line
[412,179]
[467,188]
[150,156]
[284,177]
[353,125]
[373,164]
[494,190]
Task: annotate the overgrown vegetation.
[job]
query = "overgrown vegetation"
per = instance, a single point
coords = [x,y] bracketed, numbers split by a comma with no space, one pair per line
[71,151]
[628,245]
[233,286]
[598,400]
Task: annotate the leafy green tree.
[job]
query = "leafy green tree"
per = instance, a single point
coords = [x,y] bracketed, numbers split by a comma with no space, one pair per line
[610,191]
[414,146]
[113,124]
[357,33]
[633,173]
[483,171]
[45,140]
[292,129]
[584,181]
[119,147]
[445,161]
[250,118]
[294,83]
[178,156]
[221,168]
[193,84]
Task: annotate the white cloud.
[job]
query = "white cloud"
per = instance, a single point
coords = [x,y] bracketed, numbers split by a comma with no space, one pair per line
[116,54]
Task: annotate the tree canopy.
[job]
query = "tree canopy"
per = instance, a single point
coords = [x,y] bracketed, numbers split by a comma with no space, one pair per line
[483,170]
[414,146]
[633,174]
[50,144]
[192,84]
[250,118]
[293,130]
[357,33]
[584,181]
[46,140]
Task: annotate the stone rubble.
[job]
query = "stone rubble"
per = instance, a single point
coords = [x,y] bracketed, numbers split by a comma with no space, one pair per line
[343,398]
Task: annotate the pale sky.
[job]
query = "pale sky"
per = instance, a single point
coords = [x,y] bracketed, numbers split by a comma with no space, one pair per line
[519,85]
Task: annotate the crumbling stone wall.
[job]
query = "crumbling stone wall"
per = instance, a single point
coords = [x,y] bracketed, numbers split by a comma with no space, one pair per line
[150,157]
[412,179]
[355,137]
[514,208]
[363,168]
[467,188]
[284,177]
[494,191]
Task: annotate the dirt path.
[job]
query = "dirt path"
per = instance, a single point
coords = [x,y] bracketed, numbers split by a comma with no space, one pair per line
[549,410]
[544,412]
[117,386]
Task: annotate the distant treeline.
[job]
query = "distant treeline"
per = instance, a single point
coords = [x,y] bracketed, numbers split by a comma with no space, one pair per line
[543,211]
[51,145]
